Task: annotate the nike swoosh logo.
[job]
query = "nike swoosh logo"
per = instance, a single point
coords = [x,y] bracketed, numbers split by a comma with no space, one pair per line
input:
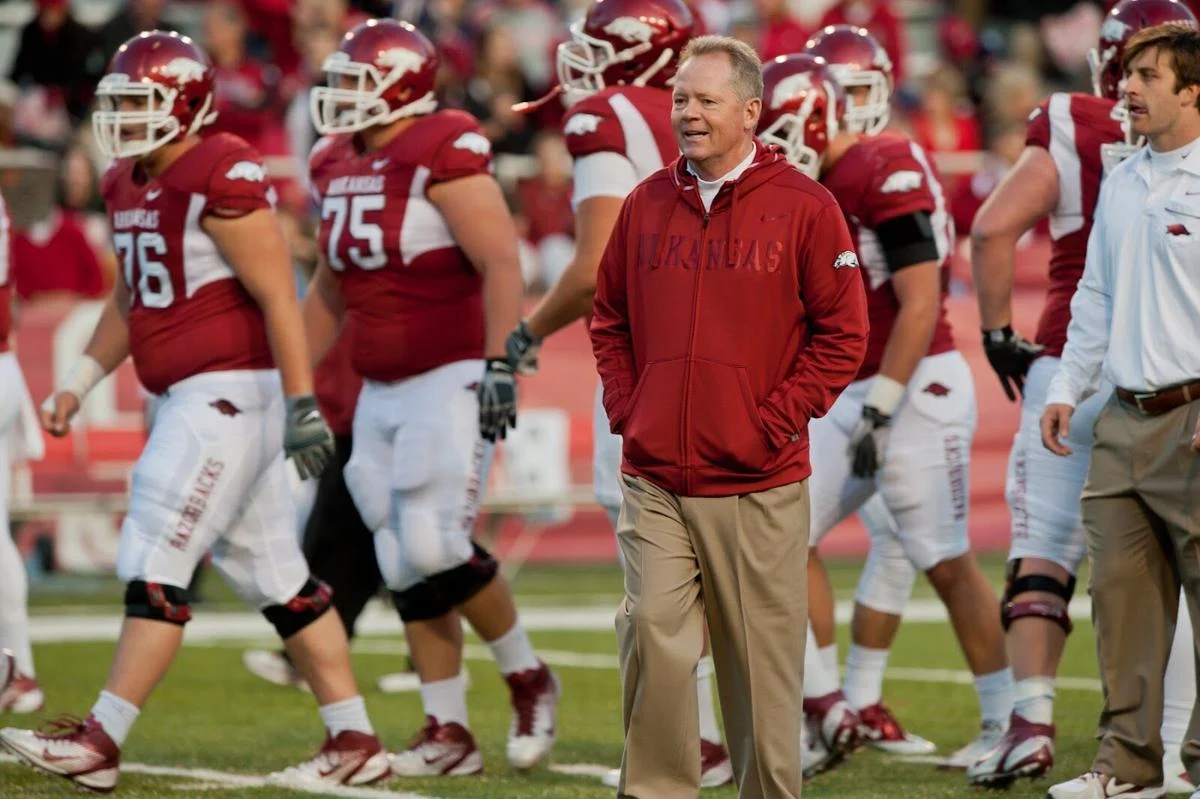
[151,196]
[312,416]
[380,164]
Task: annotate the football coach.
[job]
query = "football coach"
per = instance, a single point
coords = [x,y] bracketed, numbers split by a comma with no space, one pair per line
[729,312]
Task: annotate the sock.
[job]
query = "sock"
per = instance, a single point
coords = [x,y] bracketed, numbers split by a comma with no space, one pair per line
[995,692]
[709,730]
[1179,684]
[1033,700]
[829,661]
[817,681]
[446,700]
[513,651]
[864,675]
[349,714]
[115,715]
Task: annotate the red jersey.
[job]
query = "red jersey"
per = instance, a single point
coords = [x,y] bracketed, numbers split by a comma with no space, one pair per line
[188,313]
[1073,128]
[414,297]
[5,289]
[631,121]
[880,178]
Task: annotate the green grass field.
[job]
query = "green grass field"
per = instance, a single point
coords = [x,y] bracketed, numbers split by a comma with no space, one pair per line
[211,714]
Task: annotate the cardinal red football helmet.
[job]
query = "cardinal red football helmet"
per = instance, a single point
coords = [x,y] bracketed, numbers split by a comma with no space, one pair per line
[857,60]
[803,108]
[383,71]
[1120,24]
[160,81]
[632,42]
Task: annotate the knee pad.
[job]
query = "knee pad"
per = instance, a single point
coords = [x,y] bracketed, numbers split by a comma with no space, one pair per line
[1010,611]
[420,602]
[157,602]
[308,605]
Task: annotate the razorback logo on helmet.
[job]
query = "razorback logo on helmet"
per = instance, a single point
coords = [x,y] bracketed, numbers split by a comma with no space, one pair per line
[630,29]
[402,60]
[847,258]
[901,181]
[474,142]
[247,170]
[582,124]
[183,70]
[789,87]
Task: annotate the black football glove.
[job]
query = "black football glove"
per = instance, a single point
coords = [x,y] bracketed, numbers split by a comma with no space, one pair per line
[522,348]
[307,438]
[1010,356]
[867,441]
[497,399]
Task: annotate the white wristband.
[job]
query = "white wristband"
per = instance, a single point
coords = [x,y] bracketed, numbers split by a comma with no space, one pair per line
[884,394]
[83,377]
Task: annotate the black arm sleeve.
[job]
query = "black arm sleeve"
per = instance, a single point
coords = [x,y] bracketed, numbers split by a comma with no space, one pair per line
[907,240]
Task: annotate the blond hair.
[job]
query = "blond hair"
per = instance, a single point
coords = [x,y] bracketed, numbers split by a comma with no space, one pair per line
[747,68]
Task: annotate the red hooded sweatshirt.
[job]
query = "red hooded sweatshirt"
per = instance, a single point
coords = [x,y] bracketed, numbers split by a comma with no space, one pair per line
[719,335]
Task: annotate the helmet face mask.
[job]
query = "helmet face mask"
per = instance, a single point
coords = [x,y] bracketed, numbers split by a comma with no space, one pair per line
[383,72]
[158,89]
[803,109]
[871,115]
[788,131]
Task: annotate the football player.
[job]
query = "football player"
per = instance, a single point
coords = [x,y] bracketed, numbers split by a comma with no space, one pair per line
[23,694]
[614,76]
[1072,142]
[207,308]
[903,430]
[419,253]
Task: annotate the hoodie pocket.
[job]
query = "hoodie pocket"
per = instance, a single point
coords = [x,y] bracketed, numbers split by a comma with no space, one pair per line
[727,431]
[650,431]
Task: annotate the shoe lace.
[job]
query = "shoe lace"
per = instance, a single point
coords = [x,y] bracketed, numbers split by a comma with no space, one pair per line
[525,703]
[63,725]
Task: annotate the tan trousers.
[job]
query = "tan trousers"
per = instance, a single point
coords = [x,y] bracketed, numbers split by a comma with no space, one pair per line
[738,562]
[1141,509]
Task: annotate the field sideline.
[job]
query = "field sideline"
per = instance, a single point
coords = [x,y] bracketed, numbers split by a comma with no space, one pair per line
[214,728]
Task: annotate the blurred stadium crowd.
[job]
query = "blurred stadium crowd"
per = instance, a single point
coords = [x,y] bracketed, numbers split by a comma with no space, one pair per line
[968,73]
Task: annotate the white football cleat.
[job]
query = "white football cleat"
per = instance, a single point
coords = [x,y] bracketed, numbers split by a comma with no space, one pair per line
[988,739]
[1094,785]
[23,695]
[272,666]
[350,758]
[1026,750]
[834,721]
[879,729]
[80,751]
[407,682]
[1175,776]
[715,767]
[439,750]
[533,730]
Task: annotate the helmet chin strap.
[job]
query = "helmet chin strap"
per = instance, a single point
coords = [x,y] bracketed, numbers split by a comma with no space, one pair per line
[530,106]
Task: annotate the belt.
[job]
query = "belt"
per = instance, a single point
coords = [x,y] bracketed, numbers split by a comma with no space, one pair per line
[1154,403]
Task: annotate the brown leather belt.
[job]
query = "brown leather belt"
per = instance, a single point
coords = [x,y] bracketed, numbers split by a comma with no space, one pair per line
[1154,403]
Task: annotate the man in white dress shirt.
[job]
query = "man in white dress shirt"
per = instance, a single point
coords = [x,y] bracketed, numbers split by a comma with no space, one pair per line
[1135,317]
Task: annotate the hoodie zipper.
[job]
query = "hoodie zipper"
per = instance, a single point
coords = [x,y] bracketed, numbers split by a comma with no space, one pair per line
[686,421]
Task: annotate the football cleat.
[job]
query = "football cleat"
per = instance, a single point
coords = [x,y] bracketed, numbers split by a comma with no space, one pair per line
[1025,750]
[816,757]
[1094,785]
[988,739]
[878,729]
[715,768]
[1175,776]
[439,750]
[76,749]
[274,667]
[349,758]
[834,721]
[532,733]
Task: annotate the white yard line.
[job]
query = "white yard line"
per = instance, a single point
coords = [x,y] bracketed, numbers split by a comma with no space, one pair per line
[227,779]
[104,624]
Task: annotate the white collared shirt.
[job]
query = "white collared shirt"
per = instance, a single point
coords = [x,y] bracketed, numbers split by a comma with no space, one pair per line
[1136,312]
[708,188]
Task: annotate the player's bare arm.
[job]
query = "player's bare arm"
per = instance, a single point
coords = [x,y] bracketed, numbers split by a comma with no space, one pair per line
[105,351]
[478,218]
[323,312]
[254,247]
[1026,194]
[570,298]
